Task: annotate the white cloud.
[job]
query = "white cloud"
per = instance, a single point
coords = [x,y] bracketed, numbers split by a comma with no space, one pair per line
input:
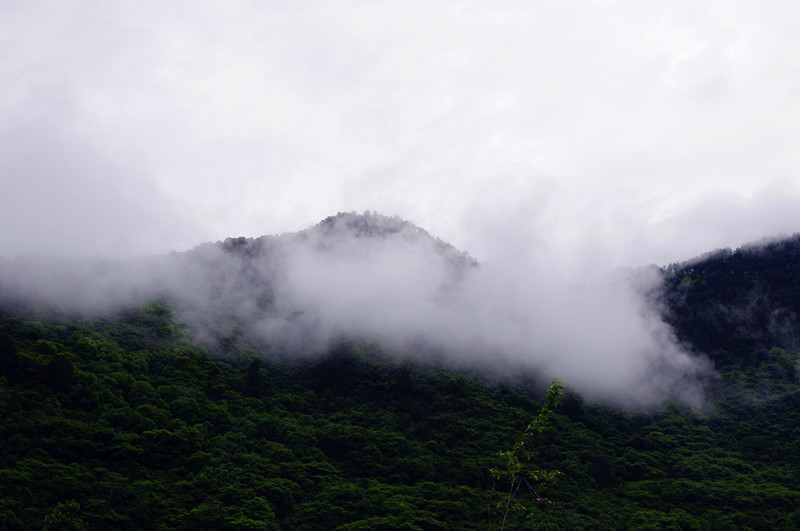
[299,295]
[257,118]
[569,137]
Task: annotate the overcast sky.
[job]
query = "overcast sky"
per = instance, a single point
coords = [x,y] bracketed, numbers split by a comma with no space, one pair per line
[602,133]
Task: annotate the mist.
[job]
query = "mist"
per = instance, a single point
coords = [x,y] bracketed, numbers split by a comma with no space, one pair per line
[554,142]
[373,278]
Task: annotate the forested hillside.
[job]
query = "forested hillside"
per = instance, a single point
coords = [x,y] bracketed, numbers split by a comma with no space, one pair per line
[123,422]
[740,304]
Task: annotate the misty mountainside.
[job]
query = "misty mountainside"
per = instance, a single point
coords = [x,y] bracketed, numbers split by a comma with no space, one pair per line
[738,305]
[119,413]
[300,291]
[275,287]
[372,278]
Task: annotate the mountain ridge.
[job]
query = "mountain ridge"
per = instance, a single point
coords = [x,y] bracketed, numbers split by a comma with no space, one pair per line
[329,230]
[125,422]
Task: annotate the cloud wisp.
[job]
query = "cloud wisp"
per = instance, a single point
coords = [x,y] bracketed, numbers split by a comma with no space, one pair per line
[374,278]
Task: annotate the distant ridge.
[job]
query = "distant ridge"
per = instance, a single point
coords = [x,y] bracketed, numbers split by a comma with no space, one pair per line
[337,228]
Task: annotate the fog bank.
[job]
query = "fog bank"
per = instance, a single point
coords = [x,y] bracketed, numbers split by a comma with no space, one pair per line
[382,279]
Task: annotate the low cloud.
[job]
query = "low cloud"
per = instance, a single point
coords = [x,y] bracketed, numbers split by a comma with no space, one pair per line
[381,279]
[64,196]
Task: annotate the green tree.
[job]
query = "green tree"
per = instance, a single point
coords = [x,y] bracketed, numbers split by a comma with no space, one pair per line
[516,461]
[65,517]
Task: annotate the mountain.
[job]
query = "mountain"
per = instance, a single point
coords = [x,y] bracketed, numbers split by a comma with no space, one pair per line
[337,232]
[301,291]
[275,290]
[128,418]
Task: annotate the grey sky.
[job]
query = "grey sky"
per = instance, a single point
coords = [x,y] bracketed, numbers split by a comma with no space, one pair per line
[602,133]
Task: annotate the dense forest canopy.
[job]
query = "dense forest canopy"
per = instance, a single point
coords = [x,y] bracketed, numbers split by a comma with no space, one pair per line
[126,420]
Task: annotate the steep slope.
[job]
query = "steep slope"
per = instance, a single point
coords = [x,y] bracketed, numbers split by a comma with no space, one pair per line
[738,306]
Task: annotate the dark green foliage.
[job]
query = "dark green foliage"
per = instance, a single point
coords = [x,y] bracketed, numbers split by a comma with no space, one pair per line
[116,425]
[124,423]
[739,304]
[65,517]
[99,434]
[518,470]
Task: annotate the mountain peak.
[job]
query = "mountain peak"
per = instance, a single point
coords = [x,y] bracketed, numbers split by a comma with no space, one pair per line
[342,227]
[366,224]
